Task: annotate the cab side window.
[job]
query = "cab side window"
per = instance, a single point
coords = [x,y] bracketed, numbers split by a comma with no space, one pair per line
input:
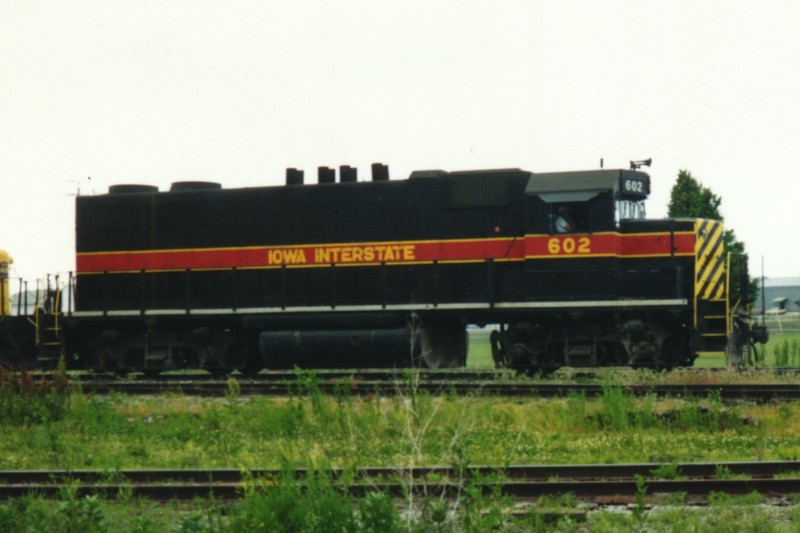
[569,217]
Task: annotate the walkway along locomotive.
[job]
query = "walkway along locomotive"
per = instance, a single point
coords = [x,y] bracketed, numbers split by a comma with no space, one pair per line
[390,273]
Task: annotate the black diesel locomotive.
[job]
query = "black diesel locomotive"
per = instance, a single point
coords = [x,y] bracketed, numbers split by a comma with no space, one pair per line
[390,273]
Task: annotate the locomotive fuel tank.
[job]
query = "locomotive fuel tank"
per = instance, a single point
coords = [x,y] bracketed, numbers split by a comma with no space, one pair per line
[435,346]
[345,348]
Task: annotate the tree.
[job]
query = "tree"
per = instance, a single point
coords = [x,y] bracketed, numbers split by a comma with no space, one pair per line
[689,198]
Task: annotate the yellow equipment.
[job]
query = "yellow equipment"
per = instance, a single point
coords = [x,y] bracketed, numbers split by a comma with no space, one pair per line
[5,261]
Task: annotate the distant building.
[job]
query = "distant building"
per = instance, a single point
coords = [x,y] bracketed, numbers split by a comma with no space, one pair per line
[781,295]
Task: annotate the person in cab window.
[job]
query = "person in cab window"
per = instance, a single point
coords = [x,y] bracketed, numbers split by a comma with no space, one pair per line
[564,222]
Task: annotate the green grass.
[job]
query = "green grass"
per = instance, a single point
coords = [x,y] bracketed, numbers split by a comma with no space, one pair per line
[297,507]
[783,349]
[316,431]
[479,355]
[182,432]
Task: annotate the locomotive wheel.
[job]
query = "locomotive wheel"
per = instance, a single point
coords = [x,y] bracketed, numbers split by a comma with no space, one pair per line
[107,355]
[444,346]
[675,352]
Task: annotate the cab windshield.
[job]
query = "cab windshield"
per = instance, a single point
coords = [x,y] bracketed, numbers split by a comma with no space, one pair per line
[630,210]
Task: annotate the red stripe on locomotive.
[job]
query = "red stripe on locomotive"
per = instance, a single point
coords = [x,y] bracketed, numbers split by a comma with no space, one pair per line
[532,247]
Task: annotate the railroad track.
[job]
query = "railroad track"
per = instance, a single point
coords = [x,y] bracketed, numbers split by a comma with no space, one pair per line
[516,388]
[291,375]
[401,374]
[605,484]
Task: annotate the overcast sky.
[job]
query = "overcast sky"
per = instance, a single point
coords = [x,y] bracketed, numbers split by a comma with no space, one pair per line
[94,93]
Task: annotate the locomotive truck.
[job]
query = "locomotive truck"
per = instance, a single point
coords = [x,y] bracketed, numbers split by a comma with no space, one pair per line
[387,272]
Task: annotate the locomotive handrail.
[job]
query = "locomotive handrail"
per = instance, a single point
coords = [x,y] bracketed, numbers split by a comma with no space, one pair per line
[70,293]
[728,321]
[35,321]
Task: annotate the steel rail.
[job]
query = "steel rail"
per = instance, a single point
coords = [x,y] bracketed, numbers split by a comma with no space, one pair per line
[605,491]
[291,375]
[377,374]
[608,483]
[757,469]
[752,392]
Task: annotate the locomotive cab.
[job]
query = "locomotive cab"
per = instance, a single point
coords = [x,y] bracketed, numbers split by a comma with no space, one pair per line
[596,201]
[611,291]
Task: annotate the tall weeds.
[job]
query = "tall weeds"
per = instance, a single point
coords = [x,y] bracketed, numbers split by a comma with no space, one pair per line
[310,503]
[70,514]
[787,353]
[25,400]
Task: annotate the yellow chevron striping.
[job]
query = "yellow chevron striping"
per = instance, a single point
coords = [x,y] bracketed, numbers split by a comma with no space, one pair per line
[709,249]
[720,292]
[714,280]
[707,273]
[710,246]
